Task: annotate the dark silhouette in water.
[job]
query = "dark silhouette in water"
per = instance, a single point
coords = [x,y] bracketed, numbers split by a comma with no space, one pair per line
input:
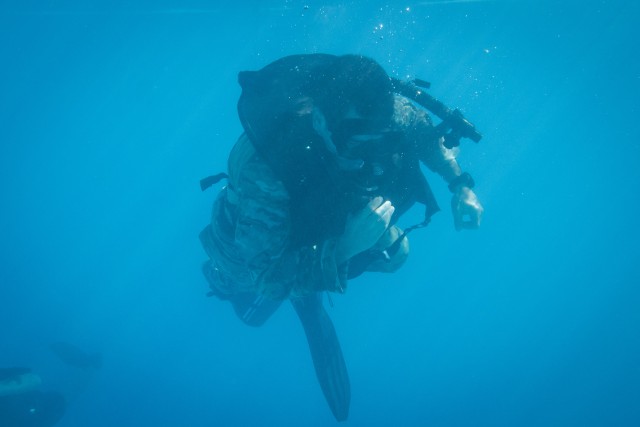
[10,373]
[22,404]
[329,160]
[73,356]
[328,361]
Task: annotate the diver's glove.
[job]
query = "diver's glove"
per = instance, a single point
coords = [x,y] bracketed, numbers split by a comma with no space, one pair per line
[466,208]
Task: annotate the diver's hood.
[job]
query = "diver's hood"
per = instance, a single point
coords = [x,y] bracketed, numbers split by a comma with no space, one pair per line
[278,94]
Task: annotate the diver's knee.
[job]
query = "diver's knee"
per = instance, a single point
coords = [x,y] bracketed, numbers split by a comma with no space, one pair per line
[396,257]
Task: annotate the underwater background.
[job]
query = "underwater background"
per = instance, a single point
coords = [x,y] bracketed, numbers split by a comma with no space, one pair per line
[112,111]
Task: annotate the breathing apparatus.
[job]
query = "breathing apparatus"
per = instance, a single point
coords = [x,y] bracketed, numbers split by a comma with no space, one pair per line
[369,153]
[454,125]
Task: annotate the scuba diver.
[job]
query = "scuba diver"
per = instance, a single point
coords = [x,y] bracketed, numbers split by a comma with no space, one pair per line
[23,404]
[328,162]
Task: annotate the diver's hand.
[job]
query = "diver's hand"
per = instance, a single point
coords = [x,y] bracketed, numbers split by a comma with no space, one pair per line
[364,228]
[467,210]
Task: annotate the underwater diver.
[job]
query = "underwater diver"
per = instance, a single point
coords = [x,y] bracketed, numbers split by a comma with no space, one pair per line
[23,404]
[328,161]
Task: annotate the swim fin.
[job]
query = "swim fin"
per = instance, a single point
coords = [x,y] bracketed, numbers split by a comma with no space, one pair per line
[326,353]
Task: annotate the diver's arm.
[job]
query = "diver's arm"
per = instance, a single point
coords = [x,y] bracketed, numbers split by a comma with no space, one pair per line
[465,206]
[439,158]
[417,126]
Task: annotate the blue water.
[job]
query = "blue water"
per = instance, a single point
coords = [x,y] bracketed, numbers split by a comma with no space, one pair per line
[111,112]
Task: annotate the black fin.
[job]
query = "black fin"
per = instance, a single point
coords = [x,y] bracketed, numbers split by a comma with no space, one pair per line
[326,353]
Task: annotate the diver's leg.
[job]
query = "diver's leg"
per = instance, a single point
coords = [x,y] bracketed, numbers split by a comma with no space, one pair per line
[386,256]
[233,285]
[252,308]
[326,353]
